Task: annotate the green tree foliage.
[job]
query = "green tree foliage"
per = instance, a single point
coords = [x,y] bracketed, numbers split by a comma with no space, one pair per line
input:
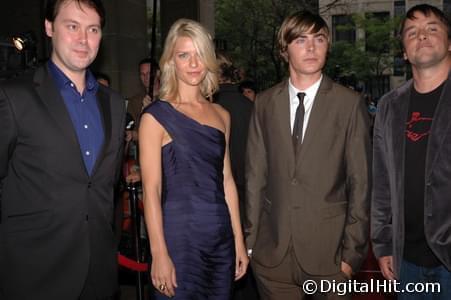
[249,29]
[367,57]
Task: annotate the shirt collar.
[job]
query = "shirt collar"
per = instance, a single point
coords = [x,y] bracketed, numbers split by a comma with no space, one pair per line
[310,92]
[62,80]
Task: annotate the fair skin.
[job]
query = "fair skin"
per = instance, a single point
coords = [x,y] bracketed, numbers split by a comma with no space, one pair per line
[426,46]
[76,33]
[190,72]
[103,81]
[144,75]
[306,58]
[249,93]
[386,266]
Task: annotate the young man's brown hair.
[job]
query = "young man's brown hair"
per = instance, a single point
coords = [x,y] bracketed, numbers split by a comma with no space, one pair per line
[297,24]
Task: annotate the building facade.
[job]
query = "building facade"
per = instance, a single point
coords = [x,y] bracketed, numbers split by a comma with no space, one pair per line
[343,28]
[125,37]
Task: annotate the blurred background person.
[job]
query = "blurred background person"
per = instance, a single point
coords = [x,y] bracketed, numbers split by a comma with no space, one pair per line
[137,102]
[102,78]
[240,110]
[248,88]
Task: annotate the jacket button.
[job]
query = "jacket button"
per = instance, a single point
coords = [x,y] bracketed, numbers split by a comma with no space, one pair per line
[294,181]
[89,184]
[87,218]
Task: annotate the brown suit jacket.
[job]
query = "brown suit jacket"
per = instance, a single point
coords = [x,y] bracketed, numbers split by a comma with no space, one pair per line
[318,198]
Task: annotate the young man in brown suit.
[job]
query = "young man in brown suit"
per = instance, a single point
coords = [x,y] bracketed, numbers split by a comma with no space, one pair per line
[307,172]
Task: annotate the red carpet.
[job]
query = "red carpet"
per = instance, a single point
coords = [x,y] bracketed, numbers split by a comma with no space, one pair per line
[370,270]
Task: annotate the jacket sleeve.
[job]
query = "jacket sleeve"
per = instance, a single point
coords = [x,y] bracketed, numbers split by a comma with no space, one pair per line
[8,134]
[358,171]
[381,214]
[256,174]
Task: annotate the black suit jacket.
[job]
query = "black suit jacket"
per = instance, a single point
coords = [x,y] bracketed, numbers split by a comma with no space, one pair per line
[56,219]
[240,110]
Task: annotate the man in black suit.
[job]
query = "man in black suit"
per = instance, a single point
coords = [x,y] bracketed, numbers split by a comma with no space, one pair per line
[60,152]
[240,110]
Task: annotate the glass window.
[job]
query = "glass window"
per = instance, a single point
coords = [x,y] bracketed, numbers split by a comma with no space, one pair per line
[343,28]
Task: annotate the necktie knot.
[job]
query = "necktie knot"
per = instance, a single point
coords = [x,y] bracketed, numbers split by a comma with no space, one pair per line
[301,96]
[298,121]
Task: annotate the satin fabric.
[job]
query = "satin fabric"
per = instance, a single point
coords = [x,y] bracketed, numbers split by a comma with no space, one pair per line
[196,220]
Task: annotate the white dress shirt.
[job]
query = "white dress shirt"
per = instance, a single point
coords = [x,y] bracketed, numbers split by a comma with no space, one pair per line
[309,98]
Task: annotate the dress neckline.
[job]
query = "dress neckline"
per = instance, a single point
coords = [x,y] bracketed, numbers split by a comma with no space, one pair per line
[190,118]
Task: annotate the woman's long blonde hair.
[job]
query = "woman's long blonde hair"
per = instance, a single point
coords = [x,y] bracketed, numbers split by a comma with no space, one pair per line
[206,50]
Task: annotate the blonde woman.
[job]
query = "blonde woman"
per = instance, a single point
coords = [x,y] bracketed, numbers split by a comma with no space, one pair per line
[190,198]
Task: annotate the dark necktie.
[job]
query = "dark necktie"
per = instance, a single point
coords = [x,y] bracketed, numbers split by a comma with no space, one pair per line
[298,121]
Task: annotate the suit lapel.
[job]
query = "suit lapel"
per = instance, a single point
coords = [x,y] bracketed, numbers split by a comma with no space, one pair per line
[400,109]
[316,119]
[281,110]
[103,101]
[50,96]
[440,126]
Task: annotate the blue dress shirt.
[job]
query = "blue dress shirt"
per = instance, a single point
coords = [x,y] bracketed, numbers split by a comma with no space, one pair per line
[84,113]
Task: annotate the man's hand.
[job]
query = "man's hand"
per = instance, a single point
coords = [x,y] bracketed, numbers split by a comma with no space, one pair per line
[386,265]
[346,269]
[146,101]
[131,135]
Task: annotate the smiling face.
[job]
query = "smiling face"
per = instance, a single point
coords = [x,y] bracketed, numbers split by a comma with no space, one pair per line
[307,53]
[189,68]
[425,41]
[76,34]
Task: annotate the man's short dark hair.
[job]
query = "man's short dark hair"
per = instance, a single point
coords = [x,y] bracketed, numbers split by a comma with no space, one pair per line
[227,70]
[247,84]
[100,75]
[53,8]
[426,10]
[153,63]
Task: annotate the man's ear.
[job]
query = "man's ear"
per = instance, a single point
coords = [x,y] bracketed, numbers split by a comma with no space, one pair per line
[284,55]
[48,28]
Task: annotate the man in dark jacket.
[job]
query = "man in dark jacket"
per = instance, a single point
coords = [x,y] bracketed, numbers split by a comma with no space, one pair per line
[411,207]
[240,110]
[62,138]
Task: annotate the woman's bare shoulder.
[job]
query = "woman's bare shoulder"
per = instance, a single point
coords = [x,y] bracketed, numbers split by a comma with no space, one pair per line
[221,111]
